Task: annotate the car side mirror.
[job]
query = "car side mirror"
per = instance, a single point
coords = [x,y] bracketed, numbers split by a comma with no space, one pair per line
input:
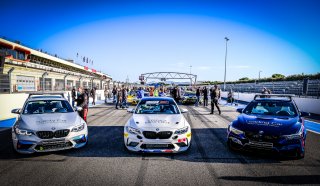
[15,111]
[78,108]
[131,110]
[304,114]
[240,110]
[184,110]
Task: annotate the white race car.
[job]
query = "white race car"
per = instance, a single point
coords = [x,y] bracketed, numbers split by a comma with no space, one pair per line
[48,123]
[157,126]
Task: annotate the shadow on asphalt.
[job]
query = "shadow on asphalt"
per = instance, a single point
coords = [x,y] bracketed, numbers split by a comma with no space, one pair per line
[107,141]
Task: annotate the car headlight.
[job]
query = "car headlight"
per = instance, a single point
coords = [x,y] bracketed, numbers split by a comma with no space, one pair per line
[298,135]
[235,131]
[78,128]
[23,132]
[181,131]
[132,130]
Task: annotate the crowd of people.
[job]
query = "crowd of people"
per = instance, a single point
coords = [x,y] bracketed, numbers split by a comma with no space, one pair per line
[119,96]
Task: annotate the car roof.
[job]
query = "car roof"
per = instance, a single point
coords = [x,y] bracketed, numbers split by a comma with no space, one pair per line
[45,97]
[272,99]
[276,97]
[156,98]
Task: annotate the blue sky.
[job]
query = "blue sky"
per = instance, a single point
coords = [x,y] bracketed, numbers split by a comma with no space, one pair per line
[127,38]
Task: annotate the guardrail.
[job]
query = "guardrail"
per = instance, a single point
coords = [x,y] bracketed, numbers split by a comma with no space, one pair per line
[305,104]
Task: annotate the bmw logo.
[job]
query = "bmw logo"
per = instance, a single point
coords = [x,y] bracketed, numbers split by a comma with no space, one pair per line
[53,128]
[157,129]
[261,132]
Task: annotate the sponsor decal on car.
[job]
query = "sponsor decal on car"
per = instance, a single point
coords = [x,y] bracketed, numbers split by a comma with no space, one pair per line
[52,121]
[264,123]
[157,121]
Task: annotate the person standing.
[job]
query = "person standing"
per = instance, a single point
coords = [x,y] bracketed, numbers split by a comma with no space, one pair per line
[73,95]
[215,96]
[156,92]
[198,96]
[119,98]
[82,101]
[230,97]
[175,94]
[114,93]
[124,97]
[179,93]
[93,95]
[205,96]
[264,91]
[106,95]
[151,91]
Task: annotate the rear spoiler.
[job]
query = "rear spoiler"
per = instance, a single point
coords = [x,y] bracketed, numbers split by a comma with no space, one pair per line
[46,93]
[289,96]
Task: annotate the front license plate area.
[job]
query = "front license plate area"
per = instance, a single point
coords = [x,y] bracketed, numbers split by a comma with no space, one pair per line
[157,146]
[263,145]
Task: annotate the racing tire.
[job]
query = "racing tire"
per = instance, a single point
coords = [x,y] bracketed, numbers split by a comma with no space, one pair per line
[14,152]
[186,151]
[126,149]
[232,147]
[300,155]
[86,143]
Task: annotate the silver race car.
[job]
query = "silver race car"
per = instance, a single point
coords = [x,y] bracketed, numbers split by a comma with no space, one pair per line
[157,126]
[48,123]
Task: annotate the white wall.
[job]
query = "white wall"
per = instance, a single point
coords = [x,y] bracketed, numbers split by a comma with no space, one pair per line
[9,102]
[304,104]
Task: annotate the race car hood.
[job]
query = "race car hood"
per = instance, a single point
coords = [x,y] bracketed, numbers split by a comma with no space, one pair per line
[163,121]
[268,124]
[190,97]
[45,122]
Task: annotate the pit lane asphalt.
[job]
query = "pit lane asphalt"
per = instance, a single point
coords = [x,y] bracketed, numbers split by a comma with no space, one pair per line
[104,161]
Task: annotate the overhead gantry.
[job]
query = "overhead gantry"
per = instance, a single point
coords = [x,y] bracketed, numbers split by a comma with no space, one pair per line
[163,76]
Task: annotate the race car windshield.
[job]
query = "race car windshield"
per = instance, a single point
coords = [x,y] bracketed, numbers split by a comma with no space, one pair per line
[157,107]
[277,109]
[189,94]
[47,106]
[133,93]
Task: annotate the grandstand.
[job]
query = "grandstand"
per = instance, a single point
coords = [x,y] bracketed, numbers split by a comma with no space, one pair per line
[300,88]
[23,69]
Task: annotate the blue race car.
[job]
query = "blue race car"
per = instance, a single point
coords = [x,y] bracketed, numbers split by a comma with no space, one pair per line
[269,123]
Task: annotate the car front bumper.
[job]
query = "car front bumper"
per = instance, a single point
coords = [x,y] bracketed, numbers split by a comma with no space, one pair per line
[31,144]
[175,144]
[281,145]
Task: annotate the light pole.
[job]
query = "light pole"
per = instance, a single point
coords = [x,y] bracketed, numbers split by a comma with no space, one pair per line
[259,76]
[127,81]
[190,75]
[225,64]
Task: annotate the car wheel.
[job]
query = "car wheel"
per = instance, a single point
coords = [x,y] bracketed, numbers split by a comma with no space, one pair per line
[126,149]
[14,151]
[86,143]
[300,154]
[232,146]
